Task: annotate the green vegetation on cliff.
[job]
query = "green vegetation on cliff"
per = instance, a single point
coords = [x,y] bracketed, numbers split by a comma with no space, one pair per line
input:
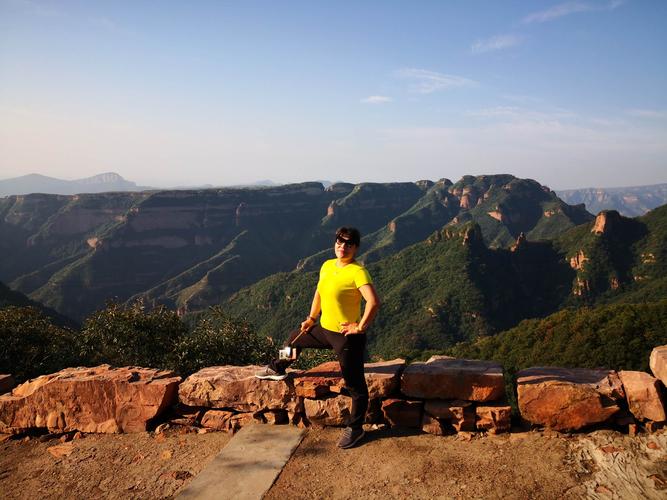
[193,249]
[618,336]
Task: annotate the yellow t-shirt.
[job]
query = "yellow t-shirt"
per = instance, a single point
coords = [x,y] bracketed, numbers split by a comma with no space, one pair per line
[339,293]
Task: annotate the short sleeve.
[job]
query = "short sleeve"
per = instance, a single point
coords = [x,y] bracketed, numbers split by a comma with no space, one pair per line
[361,277]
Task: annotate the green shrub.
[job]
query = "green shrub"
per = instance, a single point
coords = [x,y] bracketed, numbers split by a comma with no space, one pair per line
[219,339]
[30,345]
[129,335]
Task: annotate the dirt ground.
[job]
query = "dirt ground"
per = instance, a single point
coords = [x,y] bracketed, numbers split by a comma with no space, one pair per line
[142,465]
[410,465]
[389,464]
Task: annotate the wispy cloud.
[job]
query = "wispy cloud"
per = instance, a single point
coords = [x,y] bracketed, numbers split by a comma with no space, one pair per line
[648,113]
[427,82]
[499,42]
[567,8]
[376,99]
[514,113]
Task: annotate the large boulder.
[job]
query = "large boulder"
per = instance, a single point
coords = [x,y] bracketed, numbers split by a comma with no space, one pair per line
[6,383]
[644,395]
[99,399]
[442,377]
[658,363]
[382,379]
[235,387]
[329,411]
[567,399]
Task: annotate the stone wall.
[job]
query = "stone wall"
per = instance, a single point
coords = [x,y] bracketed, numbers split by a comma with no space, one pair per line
[440,396]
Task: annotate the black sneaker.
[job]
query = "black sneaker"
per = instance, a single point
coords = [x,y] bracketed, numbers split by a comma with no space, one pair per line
[268,373]
[350,437]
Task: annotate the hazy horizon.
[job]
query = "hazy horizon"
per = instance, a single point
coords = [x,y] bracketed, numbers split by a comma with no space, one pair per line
[570,94]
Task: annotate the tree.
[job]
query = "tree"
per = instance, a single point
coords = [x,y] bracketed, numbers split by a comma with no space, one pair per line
[130,335]
[30,345]
[219,339]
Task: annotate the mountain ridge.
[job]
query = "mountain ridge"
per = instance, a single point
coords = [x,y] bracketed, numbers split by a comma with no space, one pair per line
[37,183]
[191,249]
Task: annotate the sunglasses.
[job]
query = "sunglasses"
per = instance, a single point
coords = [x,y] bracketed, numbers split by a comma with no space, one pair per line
[343,241]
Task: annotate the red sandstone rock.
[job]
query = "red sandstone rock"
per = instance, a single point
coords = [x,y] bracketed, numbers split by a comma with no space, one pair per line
[217,420]
[442,377]
[228,421]
[494,419]
[240,420]
[99,399]
[61,450]
[658,363]
[643,393]
[567,399]
[432,425]
[330,411]
[296,412]
[276,417]
[382,379]
[234,387]
[6,383]
[320,381]
[459,414]
[403,413]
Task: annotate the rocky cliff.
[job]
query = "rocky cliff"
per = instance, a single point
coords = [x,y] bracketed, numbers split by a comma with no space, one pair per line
[191,249]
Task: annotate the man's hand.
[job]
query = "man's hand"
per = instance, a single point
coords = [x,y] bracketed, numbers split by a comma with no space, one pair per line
[307,324]
[348,328]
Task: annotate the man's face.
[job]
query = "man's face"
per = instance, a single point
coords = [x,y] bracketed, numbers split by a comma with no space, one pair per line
[344,248]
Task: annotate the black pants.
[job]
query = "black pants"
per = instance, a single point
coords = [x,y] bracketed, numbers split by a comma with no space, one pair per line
[350,352]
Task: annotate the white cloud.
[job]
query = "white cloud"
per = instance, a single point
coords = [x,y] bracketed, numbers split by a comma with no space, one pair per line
[499,42]
[427,82]
[376,99]
[648,113]
[514,114]
[567,8]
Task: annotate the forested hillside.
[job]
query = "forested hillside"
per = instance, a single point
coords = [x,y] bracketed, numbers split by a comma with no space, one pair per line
[192,249]
[453,287]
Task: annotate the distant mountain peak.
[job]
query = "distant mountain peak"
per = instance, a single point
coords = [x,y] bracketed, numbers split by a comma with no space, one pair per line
[106,177]
[37,183]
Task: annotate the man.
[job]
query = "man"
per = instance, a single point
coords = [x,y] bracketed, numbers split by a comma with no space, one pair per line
[342,284]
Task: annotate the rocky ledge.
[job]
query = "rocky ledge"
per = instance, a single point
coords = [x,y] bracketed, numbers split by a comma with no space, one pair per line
[440,396]
[100,399]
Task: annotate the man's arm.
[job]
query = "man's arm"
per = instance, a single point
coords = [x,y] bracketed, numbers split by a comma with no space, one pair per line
[372,306]
[315,308]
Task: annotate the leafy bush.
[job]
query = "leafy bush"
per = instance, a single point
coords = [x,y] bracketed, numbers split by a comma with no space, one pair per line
[129,335]
[30,345]
[620,337]
[219,339]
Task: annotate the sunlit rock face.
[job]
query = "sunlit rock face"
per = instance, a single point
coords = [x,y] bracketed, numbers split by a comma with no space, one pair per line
[99,399]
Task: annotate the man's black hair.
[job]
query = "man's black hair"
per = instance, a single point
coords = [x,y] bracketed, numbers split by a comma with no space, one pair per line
[349,233]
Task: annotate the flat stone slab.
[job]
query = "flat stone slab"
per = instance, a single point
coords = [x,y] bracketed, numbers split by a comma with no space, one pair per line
[235,387]
[247,466]
[442,377]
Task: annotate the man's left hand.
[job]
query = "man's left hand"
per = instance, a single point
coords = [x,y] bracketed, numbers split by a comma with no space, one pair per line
[348,328]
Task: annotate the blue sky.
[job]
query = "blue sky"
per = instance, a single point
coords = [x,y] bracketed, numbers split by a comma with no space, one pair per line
[184,93]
